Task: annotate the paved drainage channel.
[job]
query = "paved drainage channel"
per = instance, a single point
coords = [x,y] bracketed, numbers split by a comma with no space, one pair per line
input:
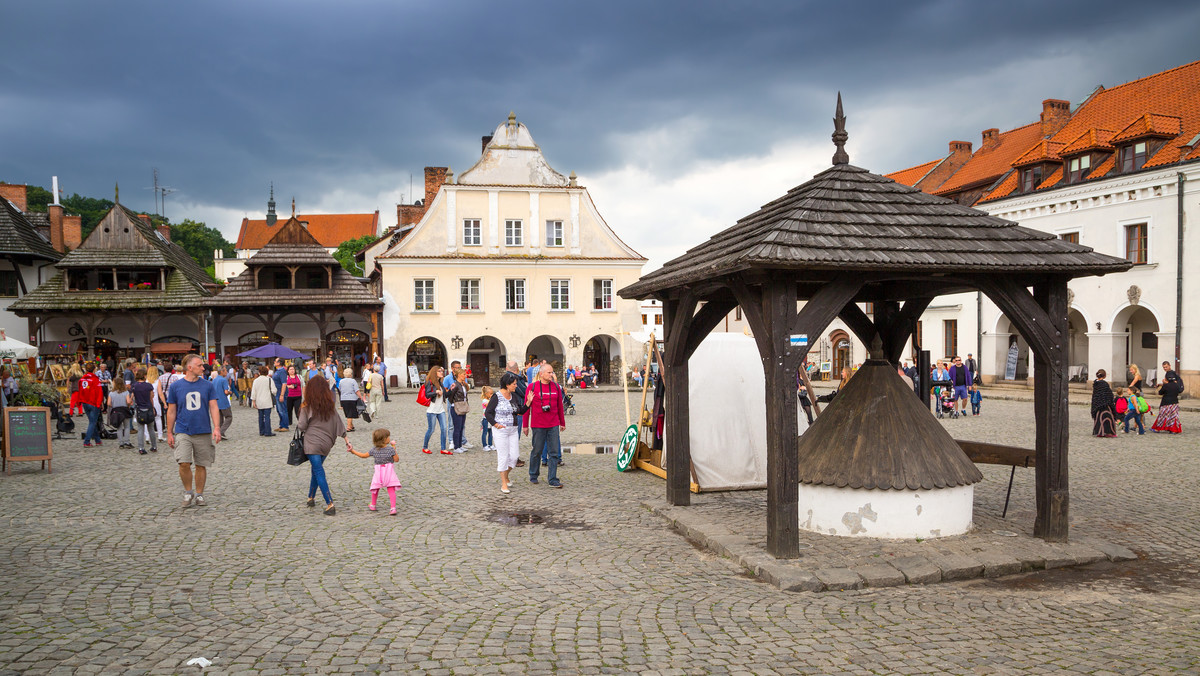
[518,519]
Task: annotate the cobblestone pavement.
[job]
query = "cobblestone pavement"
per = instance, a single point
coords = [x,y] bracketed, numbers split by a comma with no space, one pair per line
[103,572]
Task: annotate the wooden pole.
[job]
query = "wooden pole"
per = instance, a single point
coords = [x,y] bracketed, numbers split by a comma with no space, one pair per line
[678,316]
[783,465]
[1051,418]
[624,380]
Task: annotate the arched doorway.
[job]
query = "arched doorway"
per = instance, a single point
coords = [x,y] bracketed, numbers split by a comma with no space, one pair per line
[1077,346]
[1140,327]
[349,346]
[485,356]
[602,352]
[426,352]
[548,348]
[842,349]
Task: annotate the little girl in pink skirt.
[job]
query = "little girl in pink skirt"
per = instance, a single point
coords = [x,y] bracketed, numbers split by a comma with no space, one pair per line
[384,454]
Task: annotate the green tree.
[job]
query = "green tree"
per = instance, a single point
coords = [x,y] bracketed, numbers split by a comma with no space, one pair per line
[37,198]
[199,241]
[89,208]
[346,251]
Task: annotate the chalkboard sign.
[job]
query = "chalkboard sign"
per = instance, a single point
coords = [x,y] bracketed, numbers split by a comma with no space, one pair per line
[26,435]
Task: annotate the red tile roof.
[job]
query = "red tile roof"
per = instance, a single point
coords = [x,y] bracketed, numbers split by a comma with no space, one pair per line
[328,229]
[1171,93]
[911,175]
[991,162]
[1052,180]
[1042,151]
[1150,124]
[1004,188]
[1092,139]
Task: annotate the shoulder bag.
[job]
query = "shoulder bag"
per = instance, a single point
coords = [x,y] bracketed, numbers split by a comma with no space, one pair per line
[296,455]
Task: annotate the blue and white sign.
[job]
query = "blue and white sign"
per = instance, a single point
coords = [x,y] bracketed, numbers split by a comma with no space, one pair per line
[799,340]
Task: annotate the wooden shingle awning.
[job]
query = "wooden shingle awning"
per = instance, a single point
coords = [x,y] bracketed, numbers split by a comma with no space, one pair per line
[52,348]
[171,348]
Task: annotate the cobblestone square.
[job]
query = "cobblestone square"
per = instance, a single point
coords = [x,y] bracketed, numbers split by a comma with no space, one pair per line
[105,573]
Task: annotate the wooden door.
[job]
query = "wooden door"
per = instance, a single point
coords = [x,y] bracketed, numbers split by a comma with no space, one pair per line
[480,369]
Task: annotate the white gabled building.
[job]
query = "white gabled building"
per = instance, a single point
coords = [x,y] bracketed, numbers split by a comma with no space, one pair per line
[511,260]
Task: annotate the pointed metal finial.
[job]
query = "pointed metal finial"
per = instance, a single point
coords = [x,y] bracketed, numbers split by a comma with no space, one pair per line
[117,192]
[293,207]
[840,135]
[876,350]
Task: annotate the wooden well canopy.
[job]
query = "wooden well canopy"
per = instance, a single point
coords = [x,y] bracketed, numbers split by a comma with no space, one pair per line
[845,237]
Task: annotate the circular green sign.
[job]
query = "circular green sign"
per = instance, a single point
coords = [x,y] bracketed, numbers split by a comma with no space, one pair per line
[627,449]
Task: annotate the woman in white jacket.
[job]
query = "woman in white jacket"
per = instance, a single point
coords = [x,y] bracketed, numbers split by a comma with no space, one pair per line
[262,397]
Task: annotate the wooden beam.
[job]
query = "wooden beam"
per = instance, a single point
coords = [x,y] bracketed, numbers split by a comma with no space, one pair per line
[706,320]
[898,327]
[821,309]
[752,310]
[677,318]
[1051,413]
[859,323]
[783,463]
[1030,318]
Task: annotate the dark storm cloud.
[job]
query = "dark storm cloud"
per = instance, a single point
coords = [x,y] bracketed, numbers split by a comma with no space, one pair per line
[353,96]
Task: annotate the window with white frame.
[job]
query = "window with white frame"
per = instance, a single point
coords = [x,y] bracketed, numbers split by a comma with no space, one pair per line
[554,233]
[472,233]
[513,233]
[602,297]
[468,294]
[423,295]
[514,294]
[1136,244]
[560,294]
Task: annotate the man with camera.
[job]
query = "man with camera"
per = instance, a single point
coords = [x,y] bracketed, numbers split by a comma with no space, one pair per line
[545,419]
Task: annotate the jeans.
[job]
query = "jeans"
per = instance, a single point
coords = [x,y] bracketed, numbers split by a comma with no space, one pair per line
[123,431]
[93,429]
[485,439]
[458,425]
[281,407]
[316,464]
[264,422]
[1132,413]
[441,419]
[545,441]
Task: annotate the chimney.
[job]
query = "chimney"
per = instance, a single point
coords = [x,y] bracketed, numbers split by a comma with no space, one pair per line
[958,148]
[145,218]
[72,231]
[409,214]
[486,140]
[991,139]
[55,212]
[164,230]
[14,193]
[434,178]
[1055,115]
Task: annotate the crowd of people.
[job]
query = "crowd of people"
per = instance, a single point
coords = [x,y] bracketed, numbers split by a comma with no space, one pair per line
[1112,409]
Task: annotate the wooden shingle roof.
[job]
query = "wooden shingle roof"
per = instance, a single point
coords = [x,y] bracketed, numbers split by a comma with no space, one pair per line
[847,218]
[19,237]
[877,435]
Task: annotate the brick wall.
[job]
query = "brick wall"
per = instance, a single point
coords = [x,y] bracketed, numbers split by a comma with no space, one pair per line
[1056,113]
[15,194]
[72,229]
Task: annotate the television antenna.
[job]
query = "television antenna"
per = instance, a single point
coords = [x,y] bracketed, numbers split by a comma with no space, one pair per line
[160,195]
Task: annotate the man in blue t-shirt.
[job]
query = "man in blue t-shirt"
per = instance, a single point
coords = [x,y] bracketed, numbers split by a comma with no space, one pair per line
[280,378]
[191,417]
[383,372]
[223,390]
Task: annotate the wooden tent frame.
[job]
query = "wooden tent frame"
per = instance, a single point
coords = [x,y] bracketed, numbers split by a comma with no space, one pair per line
[754,265]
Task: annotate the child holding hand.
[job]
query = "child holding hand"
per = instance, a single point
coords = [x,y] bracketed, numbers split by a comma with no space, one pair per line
[485,438]
[384,454]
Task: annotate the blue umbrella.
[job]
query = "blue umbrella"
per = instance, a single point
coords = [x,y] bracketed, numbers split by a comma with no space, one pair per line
[271,351]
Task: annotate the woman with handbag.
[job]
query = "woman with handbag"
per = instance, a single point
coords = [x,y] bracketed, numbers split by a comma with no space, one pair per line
[120,412]
[320,426]
[459,407]
[144,415]
[436,408]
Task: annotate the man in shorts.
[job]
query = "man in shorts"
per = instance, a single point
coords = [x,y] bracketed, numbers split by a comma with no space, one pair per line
[962,380]
[192,416]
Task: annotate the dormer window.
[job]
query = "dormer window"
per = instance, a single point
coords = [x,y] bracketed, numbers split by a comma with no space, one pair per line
[1031,178]
[1078,168]
[1133,156]
[274,277]
[312,277]
[139,280]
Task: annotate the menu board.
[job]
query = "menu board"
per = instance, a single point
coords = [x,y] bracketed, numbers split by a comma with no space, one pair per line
[26,435]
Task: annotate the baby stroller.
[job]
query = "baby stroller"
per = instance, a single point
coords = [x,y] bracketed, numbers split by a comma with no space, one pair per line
[568,405]
[945,403]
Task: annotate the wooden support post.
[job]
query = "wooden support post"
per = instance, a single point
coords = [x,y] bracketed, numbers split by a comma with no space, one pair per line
[783,463]
[1051,417]
[677,320]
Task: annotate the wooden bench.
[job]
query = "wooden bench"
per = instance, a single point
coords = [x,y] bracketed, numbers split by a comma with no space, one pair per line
[983,453]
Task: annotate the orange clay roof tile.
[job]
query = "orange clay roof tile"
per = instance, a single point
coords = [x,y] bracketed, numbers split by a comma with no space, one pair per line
[328,229]
[1004,188]
[1150,124]
[990,163]
[912,175]
[1052,180]
[1042,151]
[1092,139]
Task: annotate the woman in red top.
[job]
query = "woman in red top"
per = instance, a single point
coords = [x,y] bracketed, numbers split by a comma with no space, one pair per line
[293,393]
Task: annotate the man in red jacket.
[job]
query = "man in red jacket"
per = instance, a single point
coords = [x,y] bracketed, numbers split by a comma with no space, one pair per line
[546,419]
[91,396]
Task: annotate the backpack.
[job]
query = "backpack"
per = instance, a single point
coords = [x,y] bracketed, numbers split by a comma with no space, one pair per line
[421,398]
[1122,406]
[1142,406]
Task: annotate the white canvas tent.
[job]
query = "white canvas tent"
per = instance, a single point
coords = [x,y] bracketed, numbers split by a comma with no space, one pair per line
[13,349]
[728,422]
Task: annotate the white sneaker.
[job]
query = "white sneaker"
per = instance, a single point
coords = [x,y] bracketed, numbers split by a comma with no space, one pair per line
[460,449]
[187,500]
[467,444]
[199,500]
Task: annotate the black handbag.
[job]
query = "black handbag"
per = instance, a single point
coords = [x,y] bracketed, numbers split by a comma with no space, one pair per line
[296,455]
[145,416]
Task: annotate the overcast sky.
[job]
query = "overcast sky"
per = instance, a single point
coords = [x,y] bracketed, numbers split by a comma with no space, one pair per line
[680,117]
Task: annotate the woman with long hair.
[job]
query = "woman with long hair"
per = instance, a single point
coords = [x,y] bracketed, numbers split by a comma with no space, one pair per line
[1135,377]
[293,392]
[1104,422]
[73,375]
[321,426]
[455,395]
[436,409]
